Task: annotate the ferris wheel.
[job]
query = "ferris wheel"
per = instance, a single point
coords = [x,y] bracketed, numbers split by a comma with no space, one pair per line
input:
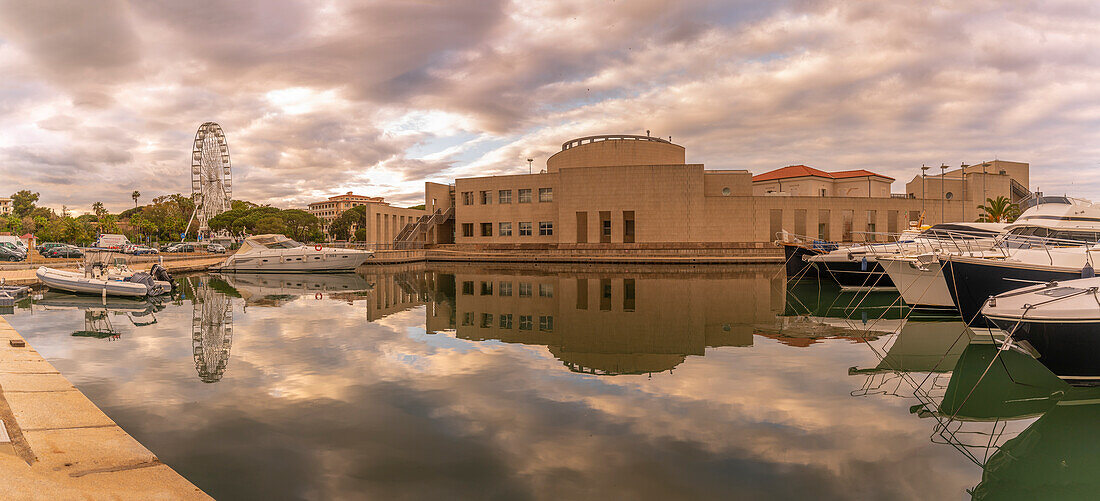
[211,177]
[211,330]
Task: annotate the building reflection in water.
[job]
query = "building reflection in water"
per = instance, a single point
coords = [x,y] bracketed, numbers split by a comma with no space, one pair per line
[211,326]
[604,320]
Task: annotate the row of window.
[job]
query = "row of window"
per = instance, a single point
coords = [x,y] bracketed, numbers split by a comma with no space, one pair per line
[505,289]
[526,322]
[504,229]
[505,196]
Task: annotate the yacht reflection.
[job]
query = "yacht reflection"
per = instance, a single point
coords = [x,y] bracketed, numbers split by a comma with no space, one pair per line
[923,347]
[273,289]
[605,322]
[98,312]
[211,326]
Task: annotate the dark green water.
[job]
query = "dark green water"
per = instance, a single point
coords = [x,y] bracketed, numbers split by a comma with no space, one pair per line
[467,382]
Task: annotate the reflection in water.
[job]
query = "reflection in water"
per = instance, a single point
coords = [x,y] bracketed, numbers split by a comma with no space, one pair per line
[211,327]
[98,311]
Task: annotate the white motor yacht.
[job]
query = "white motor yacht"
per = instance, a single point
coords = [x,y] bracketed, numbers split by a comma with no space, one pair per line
[277,253]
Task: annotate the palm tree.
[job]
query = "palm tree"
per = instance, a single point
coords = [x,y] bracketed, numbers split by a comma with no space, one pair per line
[999,210]
[98,209]
[135,195]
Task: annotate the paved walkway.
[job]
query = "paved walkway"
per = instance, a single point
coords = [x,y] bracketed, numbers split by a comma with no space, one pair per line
[59,445]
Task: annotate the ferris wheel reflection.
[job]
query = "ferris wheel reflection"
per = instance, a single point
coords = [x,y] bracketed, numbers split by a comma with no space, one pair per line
[211,329]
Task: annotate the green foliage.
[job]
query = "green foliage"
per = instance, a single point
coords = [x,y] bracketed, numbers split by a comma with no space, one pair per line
[418,207]
[12,223]
[999,210]
[341,227]
[23,201]
[253,219]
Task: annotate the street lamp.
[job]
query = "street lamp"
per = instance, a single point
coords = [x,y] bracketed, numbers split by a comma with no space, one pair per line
[923,191]
[943,196]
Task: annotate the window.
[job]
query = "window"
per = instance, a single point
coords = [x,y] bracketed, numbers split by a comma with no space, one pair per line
[525,322]
[525,229]
[525,289]
[486,320]
[582,293]
[525,196]
[628,226]
[546,228]
[486,229]
[467,229]
[505,320]
[546,290]
[605,226]
[582,227]
[846,225]
[504,288]
[505,229]
[505,196]
[468,288]
[546,323]
[467,198]
[628,294]
[486,288]
[871,216]
[823,225]
[823,192]
[547,195]
[468,318]
[486,198]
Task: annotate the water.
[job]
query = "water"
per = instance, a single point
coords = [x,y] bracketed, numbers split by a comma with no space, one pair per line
[559,382]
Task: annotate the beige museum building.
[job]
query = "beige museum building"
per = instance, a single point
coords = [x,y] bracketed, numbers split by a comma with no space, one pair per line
[639,192]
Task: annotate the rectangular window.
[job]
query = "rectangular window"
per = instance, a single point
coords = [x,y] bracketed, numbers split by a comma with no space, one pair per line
[524,196]
[582,227]
[506,229]
[892,223]
[525,229]
[505,196]
[467,229]
[605,294]
[486,198]
[504,288]
[605,226]
[467,198]
[628,226]
[775,223]
[468,318]
[871,226]
[823,225]
[628,294]
[486,229]
[846,225]
[582,293]
[546,228]
[800,222]
[486,288]
[546,290]
[525,323]
[546,194]
[505,320]
[468,288]
[546,323]
[525,289]
[486,320]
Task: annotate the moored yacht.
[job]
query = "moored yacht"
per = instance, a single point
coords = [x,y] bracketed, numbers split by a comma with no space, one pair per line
[1054,239]
[277,253]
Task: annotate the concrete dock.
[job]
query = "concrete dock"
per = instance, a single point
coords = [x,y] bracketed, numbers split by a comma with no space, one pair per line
[56,444]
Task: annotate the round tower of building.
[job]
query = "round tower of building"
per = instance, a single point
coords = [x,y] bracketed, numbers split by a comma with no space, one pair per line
[617,149]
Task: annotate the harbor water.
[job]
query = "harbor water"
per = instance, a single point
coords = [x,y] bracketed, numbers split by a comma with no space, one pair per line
[467,381]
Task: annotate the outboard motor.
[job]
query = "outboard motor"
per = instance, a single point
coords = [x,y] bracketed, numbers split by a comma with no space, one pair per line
[146,280]
[159,272]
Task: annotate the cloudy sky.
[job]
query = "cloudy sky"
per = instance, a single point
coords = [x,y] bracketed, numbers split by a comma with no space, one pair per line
[321,97]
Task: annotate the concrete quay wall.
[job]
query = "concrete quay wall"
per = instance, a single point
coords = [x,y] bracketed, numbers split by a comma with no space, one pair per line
[56,444]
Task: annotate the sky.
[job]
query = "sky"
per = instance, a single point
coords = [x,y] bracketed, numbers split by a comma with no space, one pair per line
[318,98]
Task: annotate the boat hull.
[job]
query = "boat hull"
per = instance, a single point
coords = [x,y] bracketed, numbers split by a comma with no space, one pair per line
[972,281]
[306,261]
[79,284]
[920,287]
[1068,349]
[795,258]
[855,274]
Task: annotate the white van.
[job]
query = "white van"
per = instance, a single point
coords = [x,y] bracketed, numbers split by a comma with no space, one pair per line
[111,241]
[12,239]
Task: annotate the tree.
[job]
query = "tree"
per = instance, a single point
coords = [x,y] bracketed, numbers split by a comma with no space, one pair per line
[99,211]
[23,201]
[135,195]
[340,229]
[999,210]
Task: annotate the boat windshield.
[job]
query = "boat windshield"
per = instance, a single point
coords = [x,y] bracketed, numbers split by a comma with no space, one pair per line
[284,244]
[272,242]
[963,231]
[1034,200]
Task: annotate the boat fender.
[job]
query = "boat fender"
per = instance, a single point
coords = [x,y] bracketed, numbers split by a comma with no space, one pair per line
[1088,271]
[317,247]
[317,296]
[863,264]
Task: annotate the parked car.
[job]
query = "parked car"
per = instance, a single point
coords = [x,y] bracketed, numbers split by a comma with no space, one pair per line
[215,248]
[64,251]
[45,246]
[10,254]
[169,245]
[181,248]
[138,249]
[15,249]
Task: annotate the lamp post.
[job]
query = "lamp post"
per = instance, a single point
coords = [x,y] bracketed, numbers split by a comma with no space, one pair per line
[943,195]
[923,191]
[530,162]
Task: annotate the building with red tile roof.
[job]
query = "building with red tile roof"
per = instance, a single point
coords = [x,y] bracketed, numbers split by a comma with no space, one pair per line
[803,180]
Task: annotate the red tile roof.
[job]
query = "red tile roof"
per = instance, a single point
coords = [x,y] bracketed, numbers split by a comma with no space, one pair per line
[806,171]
